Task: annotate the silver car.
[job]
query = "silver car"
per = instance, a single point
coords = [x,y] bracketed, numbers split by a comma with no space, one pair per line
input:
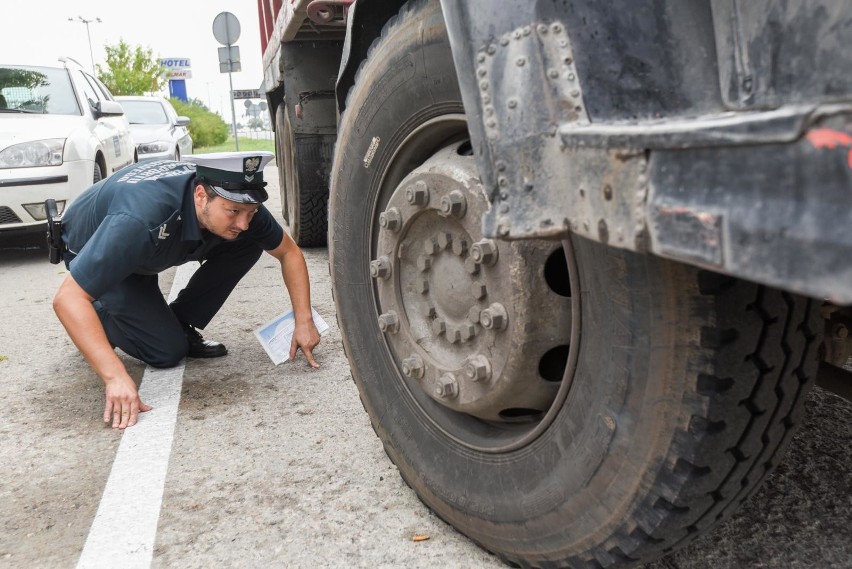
[159,133]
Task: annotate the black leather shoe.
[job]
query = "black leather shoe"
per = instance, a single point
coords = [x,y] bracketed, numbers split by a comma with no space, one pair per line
[201,348]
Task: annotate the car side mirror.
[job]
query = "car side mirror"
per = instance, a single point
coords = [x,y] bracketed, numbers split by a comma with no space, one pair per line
[182,121]
[108,109]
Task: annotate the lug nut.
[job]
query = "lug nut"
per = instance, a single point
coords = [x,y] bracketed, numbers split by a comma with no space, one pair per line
[477,289]
[484,252]
[478,368]
[389,322]
[424,263]
[380,268]
[453,204]
[430,246]
[417,193]
[413,367]
[471,266]
[453,335]
[439,326]
[390,219]
[446,386]
[473,313]
[494,317]
[429,310]
[467,331]
[460,246]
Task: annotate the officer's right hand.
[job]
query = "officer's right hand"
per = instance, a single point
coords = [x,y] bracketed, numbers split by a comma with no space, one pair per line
[122,403]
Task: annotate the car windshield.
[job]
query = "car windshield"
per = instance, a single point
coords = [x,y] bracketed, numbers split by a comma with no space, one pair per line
[145,112]
[40,90]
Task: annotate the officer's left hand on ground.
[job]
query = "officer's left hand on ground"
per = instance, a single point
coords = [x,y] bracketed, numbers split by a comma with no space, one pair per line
[306,337]
[123,404]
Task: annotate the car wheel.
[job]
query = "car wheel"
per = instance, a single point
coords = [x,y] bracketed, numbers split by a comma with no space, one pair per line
[560,403]
[98,173]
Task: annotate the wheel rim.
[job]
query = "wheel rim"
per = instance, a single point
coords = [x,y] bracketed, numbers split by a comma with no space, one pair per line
[484,334]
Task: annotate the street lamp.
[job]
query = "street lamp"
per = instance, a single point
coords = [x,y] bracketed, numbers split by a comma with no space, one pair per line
[87,22]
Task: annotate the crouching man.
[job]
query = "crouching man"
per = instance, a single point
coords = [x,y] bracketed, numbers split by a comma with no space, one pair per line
[123,231]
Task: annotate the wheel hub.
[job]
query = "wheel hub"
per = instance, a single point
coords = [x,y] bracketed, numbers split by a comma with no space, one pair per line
[467,319]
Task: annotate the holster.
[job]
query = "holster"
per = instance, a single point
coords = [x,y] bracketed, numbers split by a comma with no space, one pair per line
[55,245]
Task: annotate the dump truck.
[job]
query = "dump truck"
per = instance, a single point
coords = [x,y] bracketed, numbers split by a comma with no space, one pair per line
[588,258]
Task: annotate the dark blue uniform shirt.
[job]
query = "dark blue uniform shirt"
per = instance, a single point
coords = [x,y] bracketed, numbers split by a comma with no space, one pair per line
[142,220]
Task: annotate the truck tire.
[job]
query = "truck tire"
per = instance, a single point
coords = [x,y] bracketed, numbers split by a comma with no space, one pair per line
[303,181]
[563,404]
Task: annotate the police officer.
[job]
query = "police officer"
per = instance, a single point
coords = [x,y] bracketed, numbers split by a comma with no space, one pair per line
[123,231]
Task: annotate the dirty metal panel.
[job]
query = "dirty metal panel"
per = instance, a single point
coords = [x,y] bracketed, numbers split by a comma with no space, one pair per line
[777,214]
[774,52]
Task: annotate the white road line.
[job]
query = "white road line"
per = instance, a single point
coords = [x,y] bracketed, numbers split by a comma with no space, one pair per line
[125,526]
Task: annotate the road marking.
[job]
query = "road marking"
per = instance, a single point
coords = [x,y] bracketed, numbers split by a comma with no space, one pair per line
[125,526]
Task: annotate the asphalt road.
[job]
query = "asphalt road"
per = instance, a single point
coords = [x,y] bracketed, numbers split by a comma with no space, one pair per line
[277,466]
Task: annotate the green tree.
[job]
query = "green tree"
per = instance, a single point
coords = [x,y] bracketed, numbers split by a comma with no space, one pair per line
[206,128]
[131,71]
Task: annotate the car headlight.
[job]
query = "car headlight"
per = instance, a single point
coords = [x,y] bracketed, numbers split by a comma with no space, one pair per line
[153,147]
[46,152]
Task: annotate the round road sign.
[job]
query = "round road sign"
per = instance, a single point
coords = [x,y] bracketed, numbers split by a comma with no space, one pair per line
[226,28]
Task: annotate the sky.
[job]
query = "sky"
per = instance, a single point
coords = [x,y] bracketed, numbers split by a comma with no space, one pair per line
[38,31]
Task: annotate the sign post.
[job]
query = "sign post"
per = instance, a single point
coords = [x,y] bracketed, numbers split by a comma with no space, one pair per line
[226,30]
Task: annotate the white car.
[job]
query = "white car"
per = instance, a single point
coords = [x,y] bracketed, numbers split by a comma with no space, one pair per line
[60,131]
[159,133]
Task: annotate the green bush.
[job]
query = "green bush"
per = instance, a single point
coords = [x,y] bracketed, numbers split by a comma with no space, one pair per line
[206,128]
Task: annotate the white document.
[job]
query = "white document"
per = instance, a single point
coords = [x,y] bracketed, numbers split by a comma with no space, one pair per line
[276,335]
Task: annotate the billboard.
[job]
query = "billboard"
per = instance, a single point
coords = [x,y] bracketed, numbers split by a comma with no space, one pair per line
[176,67]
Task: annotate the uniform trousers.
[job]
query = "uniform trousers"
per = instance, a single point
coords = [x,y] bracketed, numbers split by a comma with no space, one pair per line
[138,320]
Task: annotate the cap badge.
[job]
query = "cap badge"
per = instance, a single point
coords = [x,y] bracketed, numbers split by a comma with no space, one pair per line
[250,166]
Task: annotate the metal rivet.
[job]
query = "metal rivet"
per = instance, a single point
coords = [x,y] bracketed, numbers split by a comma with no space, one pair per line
[520,61]
[513,103]
[483,85]
[542,29]
[554,74]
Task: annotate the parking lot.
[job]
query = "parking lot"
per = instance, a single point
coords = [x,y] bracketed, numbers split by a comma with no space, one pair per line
[278,466]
